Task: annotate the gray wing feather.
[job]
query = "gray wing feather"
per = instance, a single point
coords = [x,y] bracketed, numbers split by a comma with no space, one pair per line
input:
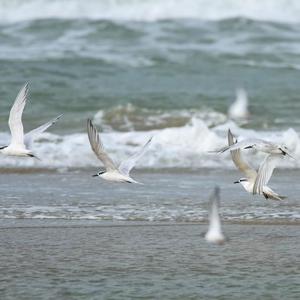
[31,135]
[214,217]
[15,117]
[241,145]
[97,147]
[265,172]
[127,165]
[238,160]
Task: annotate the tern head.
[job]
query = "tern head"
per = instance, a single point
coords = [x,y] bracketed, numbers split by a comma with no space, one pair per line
[99,174]
[241,180]
[245,183]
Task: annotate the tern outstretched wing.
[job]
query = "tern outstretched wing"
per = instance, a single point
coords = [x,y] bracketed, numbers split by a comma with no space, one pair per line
[127,165]
[15,117]
[214,217]
[238,160]
[265,172]
[97,147]
[31,135]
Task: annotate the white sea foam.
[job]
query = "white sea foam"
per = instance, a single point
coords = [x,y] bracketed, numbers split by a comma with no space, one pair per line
[142,213]
[150,10]
[187,146]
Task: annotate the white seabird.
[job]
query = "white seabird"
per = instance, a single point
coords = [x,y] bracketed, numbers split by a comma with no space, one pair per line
[214,233]
[239,108]
[20,143]
[112,172]
[259,145]
[255,182]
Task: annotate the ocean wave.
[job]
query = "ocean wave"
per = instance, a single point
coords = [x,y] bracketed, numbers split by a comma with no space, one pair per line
[187,146]
[133,118]
[150,10]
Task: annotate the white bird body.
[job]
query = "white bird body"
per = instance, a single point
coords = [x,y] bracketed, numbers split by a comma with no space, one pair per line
[259,145]
[266,191]
[255,182]
[112,172]
[239,109]
[16,150]
[214,233]
[19,142]
[116,176]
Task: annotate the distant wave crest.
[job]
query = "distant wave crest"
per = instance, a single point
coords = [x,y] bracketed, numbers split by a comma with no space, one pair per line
[150,10]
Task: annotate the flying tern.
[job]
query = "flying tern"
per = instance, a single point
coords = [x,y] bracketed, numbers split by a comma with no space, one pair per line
[259,145]
[112,172]
[20,142]
[255,182]
[239,109]
[214,233]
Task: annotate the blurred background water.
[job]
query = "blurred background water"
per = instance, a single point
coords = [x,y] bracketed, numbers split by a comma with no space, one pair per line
[142,68]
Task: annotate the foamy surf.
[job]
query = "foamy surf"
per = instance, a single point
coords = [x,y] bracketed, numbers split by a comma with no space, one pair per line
[187,146]
[150,213]
[135,10]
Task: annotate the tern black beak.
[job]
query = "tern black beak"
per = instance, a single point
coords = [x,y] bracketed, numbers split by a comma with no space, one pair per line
[95,175]
[283,152]
[236,182]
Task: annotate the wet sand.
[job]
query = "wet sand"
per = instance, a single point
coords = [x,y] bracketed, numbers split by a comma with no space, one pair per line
[143,261]
[67,235]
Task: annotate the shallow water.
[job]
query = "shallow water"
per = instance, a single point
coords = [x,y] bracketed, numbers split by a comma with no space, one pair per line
[71,236]
[165,196]
[149,262]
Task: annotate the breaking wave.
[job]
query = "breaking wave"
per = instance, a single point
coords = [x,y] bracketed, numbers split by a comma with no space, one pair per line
[186,146]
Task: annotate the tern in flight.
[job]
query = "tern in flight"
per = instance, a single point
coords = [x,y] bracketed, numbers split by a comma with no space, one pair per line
[20,142]
[259,145]
[239,109]
[112,172]
[255,182]
[214,233]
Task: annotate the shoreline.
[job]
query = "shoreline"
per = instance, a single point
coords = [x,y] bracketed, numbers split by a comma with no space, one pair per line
[63,223]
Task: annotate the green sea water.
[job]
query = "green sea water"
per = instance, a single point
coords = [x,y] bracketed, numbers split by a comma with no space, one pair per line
[78,67]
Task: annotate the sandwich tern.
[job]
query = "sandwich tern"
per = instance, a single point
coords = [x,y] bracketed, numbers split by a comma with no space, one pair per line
[255,182]
[239,109]
[20,143]
[259,145]
[112,172]
[214,233]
